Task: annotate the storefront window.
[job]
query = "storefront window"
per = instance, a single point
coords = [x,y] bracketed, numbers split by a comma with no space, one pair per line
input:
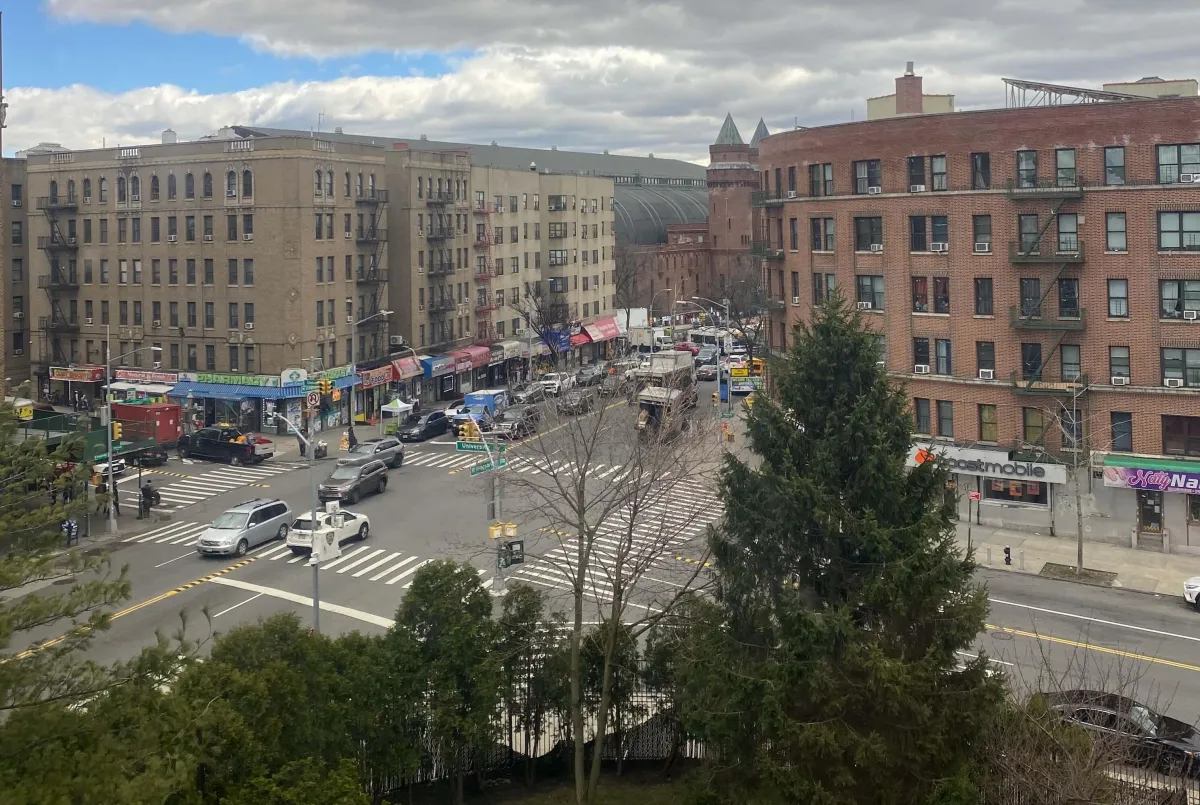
[1193,508]
[1034,492]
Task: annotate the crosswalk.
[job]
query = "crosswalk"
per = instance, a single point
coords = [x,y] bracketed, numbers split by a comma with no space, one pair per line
[522,465]
[184,491]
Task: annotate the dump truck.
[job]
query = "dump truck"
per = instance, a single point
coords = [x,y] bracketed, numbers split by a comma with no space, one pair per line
[668,370]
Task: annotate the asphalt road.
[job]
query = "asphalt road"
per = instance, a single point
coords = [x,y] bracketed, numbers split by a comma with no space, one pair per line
[1041,632]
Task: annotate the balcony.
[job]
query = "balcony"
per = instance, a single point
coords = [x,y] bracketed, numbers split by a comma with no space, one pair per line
[1046,251]
[57,324]
[1045,188]
[372,235]
[763,248]
[761,198]
[371,197]
[439,232]
[775,303]
[441,306]
[484,242]
[1051,387]
[1020,320]
[481,208]
[54,203]
[58,281]
[57,243]
[484,305]
[438,268]
[369,276]
[438,198]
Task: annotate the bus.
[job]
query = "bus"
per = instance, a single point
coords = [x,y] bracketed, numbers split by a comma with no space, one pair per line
[746,377]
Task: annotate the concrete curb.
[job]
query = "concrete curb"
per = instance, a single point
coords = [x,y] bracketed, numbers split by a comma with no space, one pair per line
[994,569]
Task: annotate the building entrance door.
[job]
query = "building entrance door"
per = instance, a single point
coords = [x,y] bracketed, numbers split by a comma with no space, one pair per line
[1150,506]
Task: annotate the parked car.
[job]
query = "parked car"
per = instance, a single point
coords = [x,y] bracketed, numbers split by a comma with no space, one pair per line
[1167,744]
[527,395]
[387,449]
[708,353]
[687,346]
[244,526]
[590,375]
[614,384]
[576,402]
[518,421]
[352,481]
[354,527]
[225,444]
[706,371]
[426,426]
[555,383]
[101,468]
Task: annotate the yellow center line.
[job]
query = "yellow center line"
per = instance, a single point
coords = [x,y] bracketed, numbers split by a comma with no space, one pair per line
[1092,647]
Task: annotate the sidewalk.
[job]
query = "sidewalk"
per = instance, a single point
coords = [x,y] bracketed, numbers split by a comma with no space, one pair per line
[1147,571]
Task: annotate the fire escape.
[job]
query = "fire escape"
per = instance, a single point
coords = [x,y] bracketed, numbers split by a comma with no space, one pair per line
[485,269]
[441,266]
[371,238]
[61,284]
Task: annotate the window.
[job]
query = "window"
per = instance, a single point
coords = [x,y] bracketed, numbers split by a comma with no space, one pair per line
[137,313]
[18,233]
[210,315]
[1118,299]
[981,171]
[87,230]
[791,180]
[824,286]
[981,232]
[941,294]
[1118,362]
[1031,362]
[921,351]
[231,268]
[191,314]
[121,192]
[1068,298]
[320,312]
[867,174]
[154,188]
[794,234]
[1114,225]
[1176,160]
[248,310]
[916,171]
[1179,230]
[318,229]
[1177,297]
[189,225]
[122,229]
[983,296]
[918,242]
[123,272]
[210,357]
[1031,297]
[920,292]
[155,231]
[209,272]
[1071,427]
[820,179]
[1122,431]
[869,289]
[945,412]
[868,232]
[103,190]
[1068,233]
[1114,165]
[191,271]
[172,271]
[823,234]
[1181,435]
[985,355]
[921,416]
[233,359]
[1182,364]
[248,183]
[1027,171]
[1033,423]
[104,311]
[123,312]
[230,184]
[1030,232]
[103,270]
[937,173]
[231,227]
[137,272]
[248,271]
[233,315]
[1070,367]
[155,311]
[103,234]
[189,187]
[207,187]
[1064,164]
[942,354]
[248,224]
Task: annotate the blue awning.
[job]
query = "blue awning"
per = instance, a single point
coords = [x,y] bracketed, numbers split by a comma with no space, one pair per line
[347,382]
[233,391]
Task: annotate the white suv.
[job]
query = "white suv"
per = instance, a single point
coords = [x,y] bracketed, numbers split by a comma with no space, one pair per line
[557,382]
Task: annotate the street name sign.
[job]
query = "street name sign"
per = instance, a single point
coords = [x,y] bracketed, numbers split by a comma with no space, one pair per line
[487,466]
[479,447]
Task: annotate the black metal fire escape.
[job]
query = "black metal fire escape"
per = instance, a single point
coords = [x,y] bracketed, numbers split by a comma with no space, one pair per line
[61,282]
[372,276]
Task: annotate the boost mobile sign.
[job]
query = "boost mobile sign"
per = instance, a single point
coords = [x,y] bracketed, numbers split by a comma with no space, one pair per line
[988,463]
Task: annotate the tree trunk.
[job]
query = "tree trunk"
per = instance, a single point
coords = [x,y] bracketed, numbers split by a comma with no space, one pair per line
[605,692]
[581,788]
[456,785]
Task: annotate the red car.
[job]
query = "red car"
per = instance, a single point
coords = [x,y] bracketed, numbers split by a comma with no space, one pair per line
[688,346]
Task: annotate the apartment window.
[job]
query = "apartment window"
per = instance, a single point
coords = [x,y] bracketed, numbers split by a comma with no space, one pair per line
[981,232]
[1033,423]
[207,185]
[1179,230]
[942,355]
[1068,298]
[209,271]
[921,416]
[233,315]
[1070,366]
[172,271]
[916,171]
[937,173]
[248,224]
[155,311]
[1030,232]
[941,294]
[981,171]
[231,270]
[1068,232]
[189,224]
[1064,165]
[210,315]
[1118,362]
[123,272]
[248,271]
[173,313]
[1118,299]
[249,355]
[987,423]
[233,359]
[210,357]
[920,293]
[103,190]
[867,174]
[320,312]
[137,312]
[869,289]
[1031,297]
[918,241]
[318,229]
[248,317]
[1027,169]
[191,271]
[983,296]
[1031,362]
[945,412]
[824,286]
[104,311]
[122,229]
[1114,226]
[1181,435]
[18,270]
[189,187]
[985,355]
[123,312]
[794,234]
[87,230]
[1182,364]
[103,270]
[1114,165]
[1175,160]
[820,179]
[18,233]
[791,180]
[103,236]
[155,235]
[191,314]
[1122,431]
[823,234]
[868,232]
[1178,297]
[921,351]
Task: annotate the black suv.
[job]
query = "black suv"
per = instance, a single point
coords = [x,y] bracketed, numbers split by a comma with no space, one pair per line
[350,482]
[426,426]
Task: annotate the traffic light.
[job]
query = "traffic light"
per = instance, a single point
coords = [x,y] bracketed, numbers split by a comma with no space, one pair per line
[116,426]
[324,386]
[469,431]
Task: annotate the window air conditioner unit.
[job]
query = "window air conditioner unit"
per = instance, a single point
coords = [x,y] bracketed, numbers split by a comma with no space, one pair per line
[795,300]
[938,247]
[230,194]
[208,238]
[16,202]
[983,248]
[136,197]
[396,340]
[791,194]
[87,199]
[921,369]
[1191,315]
[248,236]
[350,320]
[916,188]
[1188,178]
[88,322]
[71,241]
[20,314]
[874,191]
[876,247]
[864,306]
[172,238]
[156,323]
[249,325]
[1173,382]
[1119,381]
[18,352]
[348,235]
[987,374]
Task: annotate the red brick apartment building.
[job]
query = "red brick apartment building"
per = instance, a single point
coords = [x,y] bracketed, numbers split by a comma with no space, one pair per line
[1034,277]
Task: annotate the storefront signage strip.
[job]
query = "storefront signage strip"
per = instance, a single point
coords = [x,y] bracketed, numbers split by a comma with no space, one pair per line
[267,381]
[137,376]
[375,377]
[78,374]
[1153,480]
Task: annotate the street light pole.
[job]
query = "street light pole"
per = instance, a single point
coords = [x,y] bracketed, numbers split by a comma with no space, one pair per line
[728,392]
[314,557]
[112,481]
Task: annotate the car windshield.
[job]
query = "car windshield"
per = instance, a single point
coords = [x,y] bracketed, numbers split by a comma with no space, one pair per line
[344,474]
[302,525]
[553,377]
[230,520]
[1144,718]
[421,422]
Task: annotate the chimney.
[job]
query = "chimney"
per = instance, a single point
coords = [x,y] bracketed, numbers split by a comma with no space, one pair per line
[909,100]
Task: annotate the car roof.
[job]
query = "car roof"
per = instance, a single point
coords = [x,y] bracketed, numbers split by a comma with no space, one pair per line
[251,505]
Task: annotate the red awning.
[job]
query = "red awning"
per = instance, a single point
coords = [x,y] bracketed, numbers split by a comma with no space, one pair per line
[406,367]
[479,356]
[580,338]
[603,329]
[462,360]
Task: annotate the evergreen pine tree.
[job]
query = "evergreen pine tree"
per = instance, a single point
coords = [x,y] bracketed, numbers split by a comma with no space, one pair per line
[826,669]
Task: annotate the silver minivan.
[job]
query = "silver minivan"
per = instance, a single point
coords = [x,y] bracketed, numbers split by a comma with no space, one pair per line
[244,526]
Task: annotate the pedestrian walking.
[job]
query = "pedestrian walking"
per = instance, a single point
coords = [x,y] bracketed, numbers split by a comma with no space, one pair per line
[101,502]
[303,446]
[351,438]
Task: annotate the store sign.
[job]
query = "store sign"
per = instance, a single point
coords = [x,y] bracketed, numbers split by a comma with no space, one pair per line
[267,381]
[439,366]
[406,368]
[371,378]
[337,372]
[463,365]
[988,464]
[291,377]
[138,376]
[1154,480]
[77,374]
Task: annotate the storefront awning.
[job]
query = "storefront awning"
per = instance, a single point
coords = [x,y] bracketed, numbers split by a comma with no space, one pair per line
[1152,474]
[122,386]
[438,365]
[603,329]
[370,378]
[580,338]
[479,356]
[496,354]
[230,391]
[406,367]
[155,388]
[512,349]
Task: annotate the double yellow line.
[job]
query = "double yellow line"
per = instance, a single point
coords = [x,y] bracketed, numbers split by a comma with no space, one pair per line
[1091,647]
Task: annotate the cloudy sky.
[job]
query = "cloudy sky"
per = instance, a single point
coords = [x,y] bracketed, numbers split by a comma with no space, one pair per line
[633,76]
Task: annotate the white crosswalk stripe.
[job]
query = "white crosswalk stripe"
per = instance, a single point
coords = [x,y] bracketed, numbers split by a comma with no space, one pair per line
[408,571]
[184,492]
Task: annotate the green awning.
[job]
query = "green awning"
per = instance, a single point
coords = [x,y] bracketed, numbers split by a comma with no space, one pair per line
[1142,463]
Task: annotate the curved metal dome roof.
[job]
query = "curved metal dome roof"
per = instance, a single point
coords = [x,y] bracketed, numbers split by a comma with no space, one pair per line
[643,211]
